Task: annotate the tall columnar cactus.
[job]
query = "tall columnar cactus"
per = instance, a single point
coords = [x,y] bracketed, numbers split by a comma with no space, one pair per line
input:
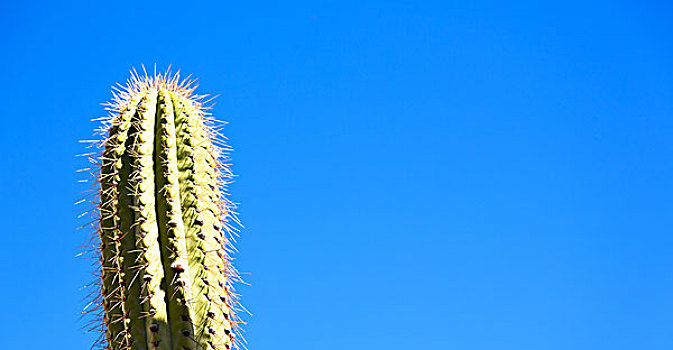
[163,225]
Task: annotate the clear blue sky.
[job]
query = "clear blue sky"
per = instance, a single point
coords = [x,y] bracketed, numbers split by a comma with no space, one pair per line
[412,175]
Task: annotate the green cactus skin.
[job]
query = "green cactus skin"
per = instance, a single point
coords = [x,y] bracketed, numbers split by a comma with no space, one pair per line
[164,223]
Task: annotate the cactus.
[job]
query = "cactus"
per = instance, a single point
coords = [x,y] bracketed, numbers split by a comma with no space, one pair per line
[164,222]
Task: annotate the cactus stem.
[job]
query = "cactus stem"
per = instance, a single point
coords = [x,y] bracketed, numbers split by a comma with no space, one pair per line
[164,222]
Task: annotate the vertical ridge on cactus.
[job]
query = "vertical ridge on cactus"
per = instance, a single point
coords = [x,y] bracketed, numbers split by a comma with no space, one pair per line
[164,222]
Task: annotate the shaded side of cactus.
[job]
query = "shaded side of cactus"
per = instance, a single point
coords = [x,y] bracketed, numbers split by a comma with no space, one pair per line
[164,222]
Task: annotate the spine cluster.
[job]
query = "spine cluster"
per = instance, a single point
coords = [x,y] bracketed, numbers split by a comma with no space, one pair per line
[165,238]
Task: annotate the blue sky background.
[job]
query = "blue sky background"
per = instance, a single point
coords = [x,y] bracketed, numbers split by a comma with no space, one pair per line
[412,175]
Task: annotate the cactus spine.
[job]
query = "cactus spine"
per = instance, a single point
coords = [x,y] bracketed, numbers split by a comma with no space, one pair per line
[164,233]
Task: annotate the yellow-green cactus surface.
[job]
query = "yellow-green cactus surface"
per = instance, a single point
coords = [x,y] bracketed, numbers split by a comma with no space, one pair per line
[165,239]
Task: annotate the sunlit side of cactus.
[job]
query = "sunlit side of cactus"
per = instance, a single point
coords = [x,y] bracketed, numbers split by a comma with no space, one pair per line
[163,222]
